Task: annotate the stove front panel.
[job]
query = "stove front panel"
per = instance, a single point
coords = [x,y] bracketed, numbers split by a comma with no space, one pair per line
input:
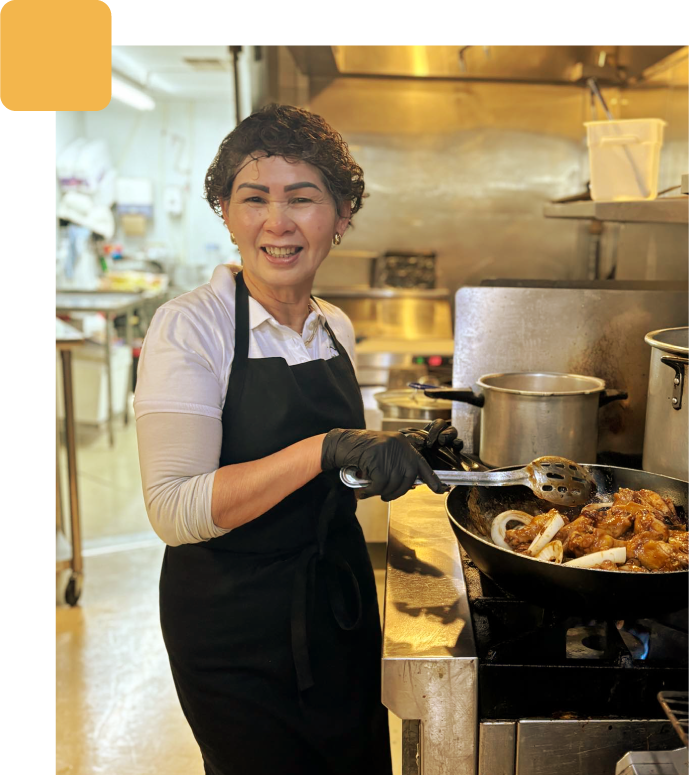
[568,747]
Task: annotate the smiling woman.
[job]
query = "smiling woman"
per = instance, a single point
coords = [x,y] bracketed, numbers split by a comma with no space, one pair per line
[287,188]
[247,404]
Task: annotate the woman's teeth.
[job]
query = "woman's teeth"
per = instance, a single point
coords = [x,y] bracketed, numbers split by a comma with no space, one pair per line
[281,252]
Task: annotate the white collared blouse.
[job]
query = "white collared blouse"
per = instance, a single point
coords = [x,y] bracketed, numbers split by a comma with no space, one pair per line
[182,378]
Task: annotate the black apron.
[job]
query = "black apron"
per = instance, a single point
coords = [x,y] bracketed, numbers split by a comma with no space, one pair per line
[272,629]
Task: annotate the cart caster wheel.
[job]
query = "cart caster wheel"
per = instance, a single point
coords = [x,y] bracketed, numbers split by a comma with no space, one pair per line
[73,591]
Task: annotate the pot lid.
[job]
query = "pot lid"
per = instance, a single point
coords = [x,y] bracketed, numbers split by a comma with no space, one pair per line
[408,398]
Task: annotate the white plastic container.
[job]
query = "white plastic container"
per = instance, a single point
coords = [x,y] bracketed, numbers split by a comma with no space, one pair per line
[90,380]
[625,158]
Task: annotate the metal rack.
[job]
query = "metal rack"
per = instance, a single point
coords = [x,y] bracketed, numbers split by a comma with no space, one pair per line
[667,210]
[675,705]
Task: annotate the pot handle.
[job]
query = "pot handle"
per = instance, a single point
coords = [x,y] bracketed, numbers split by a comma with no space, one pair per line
[608,396]
[679,365]
[465,395]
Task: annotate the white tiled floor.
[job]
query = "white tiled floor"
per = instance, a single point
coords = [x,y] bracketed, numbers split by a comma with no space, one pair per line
[117,712]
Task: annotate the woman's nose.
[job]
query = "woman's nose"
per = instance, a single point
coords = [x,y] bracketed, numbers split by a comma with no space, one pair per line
[277,220]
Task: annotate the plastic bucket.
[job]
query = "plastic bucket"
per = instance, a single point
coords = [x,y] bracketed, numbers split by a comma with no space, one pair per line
[624,157]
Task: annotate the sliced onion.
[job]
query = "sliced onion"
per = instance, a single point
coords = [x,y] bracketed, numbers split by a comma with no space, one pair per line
[551,552]
[551,528]
[599,506]
[618,555]
[499,526]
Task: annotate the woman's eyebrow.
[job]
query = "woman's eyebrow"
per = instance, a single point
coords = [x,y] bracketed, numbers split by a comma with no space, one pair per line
[304,184]
[254,185]
[291,187]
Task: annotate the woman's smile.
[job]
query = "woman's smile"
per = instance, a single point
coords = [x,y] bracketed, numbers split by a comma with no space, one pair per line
[281,255]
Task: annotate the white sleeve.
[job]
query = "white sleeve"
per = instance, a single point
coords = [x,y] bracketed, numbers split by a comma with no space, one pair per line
[178,407]
[178,456]
[181,365]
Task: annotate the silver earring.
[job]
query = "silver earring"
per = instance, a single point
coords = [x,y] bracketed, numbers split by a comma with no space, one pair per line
[337,239]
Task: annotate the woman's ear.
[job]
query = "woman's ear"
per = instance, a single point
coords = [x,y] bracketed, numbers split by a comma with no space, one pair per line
[342,223]
[225,207]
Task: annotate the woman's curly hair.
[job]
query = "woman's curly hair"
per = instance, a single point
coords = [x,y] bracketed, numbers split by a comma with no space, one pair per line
[295,135]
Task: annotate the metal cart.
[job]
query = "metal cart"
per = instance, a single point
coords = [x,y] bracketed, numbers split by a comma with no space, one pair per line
[111,304]
[66,338]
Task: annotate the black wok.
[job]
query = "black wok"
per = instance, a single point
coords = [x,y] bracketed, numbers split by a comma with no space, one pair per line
[576,591]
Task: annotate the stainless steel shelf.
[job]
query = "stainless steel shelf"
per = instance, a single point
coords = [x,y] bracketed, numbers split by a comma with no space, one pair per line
[349,292]
[668,210]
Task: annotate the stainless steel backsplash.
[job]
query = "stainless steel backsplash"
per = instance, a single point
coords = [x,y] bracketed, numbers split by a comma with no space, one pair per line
[464,168]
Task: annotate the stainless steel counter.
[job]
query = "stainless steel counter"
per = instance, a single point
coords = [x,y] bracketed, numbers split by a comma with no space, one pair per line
[429,657]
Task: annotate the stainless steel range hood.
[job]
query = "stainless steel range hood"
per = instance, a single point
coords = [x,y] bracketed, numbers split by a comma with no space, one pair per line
[612,65]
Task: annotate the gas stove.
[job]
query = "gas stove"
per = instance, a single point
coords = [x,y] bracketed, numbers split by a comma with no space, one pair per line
[489,684]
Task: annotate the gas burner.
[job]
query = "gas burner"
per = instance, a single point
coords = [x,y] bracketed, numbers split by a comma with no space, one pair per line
[582,667]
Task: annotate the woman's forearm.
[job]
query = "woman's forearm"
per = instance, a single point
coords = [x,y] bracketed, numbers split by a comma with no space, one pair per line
[244,491]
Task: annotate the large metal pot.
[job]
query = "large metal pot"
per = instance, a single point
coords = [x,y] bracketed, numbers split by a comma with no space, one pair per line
[666,442]
[526,415]
[411,404]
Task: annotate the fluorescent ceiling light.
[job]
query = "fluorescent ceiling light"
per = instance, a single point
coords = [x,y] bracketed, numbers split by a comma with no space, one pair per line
[130,95]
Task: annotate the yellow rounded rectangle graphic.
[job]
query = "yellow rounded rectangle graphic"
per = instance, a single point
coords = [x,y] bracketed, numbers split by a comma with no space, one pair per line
[55,55]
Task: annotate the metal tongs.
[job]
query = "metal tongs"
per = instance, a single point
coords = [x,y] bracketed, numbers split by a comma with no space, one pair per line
[551,478]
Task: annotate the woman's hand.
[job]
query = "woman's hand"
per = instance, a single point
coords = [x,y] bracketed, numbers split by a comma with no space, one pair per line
[387,459]
[438,444]
[438,433]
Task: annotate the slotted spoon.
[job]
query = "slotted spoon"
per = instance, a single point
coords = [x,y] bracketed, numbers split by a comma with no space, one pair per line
[551,478]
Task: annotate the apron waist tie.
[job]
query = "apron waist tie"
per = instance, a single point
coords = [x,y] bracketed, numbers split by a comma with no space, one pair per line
[334,567]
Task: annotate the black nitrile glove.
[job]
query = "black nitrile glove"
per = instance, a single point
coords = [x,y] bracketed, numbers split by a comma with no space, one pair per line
[437,433]
[387,459]
[438,443]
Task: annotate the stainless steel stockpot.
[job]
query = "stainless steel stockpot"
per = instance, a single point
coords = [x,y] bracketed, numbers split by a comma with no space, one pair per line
[411,404]
[666,441]
[525,415]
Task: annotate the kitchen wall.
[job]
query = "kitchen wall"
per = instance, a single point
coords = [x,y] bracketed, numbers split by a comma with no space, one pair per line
[69,125]
[465,168]
[171,145]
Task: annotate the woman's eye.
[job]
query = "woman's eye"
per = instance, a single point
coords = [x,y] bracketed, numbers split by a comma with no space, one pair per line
[254,199]
[300,200]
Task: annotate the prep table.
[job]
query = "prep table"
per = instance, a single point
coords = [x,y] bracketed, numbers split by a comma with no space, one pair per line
[111,304]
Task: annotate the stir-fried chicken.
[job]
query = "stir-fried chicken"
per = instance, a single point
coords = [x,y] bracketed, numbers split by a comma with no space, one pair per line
[581,524]
[634,500]
[617,521]
[647,522]
[648,526]
[581,543]
[654,554]
[633,566]
[679,540]
[607,565]
[520,538]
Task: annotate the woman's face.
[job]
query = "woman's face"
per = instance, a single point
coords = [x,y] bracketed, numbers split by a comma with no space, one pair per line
[283,219]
